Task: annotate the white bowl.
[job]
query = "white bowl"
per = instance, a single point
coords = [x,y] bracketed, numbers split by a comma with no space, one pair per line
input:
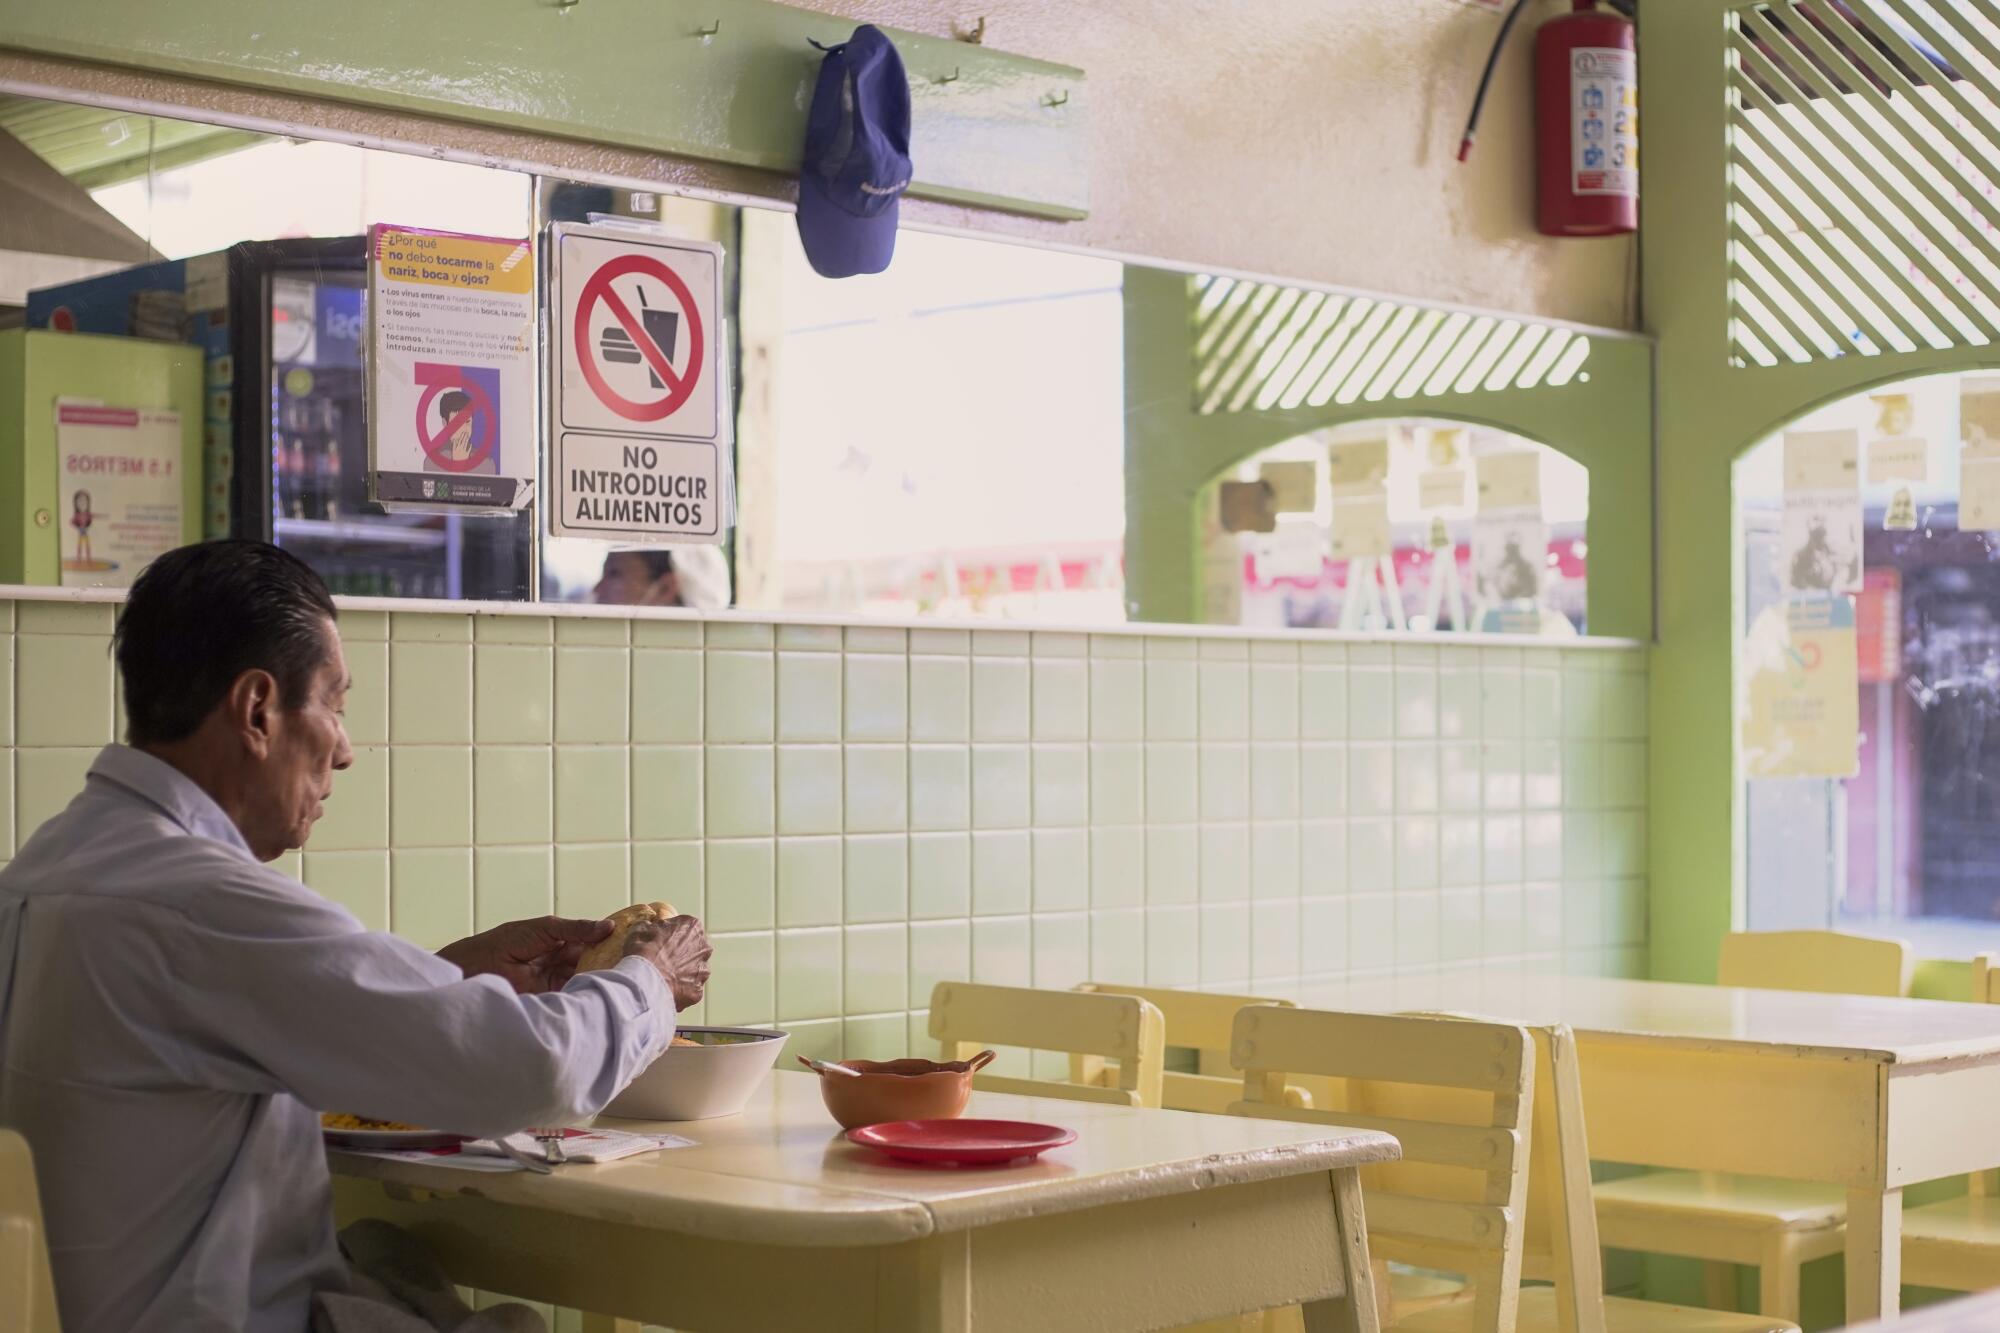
[701,1082]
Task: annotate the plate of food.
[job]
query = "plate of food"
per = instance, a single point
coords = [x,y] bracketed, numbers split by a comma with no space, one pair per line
[356,1131]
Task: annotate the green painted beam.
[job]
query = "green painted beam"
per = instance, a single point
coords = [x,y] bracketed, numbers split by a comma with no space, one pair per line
[1173,453]
[725,81]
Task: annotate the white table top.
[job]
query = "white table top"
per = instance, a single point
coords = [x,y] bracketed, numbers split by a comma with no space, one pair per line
[1964,1314]
[1890,1031]
[782,1173]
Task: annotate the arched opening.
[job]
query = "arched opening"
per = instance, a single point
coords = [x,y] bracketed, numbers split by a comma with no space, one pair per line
[1400,523]
[1868,624]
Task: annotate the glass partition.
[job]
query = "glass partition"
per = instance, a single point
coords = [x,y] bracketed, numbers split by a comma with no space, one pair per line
[954,437]
[1867,689]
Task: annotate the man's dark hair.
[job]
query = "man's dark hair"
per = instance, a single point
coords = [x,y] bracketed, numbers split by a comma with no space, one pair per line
[200,616]
[658,563]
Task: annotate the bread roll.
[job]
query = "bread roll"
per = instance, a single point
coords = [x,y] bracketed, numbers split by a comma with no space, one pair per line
[607,951]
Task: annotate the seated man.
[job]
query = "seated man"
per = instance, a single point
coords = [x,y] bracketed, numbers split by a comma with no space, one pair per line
[174,1015]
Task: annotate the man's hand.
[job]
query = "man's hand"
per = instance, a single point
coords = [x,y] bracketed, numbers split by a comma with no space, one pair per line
[679,947]
[533,956]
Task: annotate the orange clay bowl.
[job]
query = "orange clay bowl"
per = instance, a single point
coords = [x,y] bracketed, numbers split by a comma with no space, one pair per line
[899,1090]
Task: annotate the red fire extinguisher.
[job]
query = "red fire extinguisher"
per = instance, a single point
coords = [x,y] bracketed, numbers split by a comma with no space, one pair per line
[1586,120]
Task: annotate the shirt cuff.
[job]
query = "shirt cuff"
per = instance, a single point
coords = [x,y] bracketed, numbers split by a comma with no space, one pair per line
[651,983]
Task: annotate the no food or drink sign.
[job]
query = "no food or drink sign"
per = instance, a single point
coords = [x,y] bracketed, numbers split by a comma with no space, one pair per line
[640,421]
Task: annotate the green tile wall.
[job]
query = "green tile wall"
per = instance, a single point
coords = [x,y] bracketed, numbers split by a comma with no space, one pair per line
[862,813]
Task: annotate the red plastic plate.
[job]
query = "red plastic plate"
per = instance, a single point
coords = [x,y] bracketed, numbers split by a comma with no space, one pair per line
[961,1142]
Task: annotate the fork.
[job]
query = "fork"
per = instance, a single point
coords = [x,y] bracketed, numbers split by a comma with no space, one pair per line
[551,1140]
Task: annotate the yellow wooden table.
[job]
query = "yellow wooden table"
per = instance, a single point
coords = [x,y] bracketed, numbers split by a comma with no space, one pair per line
[774,1221]
[1872,1095]
[1966,1314]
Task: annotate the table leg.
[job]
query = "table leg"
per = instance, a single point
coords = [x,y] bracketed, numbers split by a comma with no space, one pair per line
[1874,1254]
[1355,1312]
[927,1287]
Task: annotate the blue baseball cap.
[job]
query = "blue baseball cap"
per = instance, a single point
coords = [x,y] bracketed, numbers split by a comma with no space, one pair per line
[857,158]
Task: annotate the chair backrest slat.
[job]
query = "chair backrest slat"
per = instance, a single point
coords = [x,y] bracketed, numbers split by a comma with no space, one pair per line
[1198,1020]
[1828,961]
[965,1016]
[1455,1092]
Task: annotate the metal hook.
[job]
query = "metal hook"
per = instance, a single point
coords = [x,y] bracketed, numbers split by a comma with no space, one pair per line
[1053,100]
[949,78]
[714,27]
[978,34]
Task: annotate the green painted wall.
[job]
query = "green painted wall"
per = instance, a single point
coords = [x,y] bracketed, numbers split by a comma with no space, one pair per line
[1709,413]
[38,368]
[721,80]
[1172,454]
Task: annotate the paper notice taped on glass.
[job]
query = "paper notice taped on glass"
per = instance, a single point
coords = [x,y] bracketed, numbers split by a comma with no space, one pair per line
[1509,556]
[1295,551]
[1822,519]
[1899,458]
[1800,714]
[1294,486]
[119,490]
[1355,467]
[1361,528]
[1511,480]
[1441,488]
[1246,506]
[1979,454]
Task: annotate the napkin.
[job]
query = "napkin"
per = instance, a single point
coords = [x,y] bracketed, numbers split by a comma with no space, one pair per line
[583,1145]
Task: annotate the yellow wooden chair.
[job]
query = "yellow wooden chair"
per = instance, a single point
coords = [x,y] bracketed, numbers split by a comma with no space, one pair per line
[1774,1226]
[1197,1020]
[1955,1243]
[27,1292]
[1457,1096]
[1557,1235]
[966,1016]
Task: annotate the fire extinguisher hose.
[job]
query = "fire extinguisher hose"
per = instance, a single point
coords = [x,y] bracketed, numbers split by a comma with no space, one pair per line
[1486,78]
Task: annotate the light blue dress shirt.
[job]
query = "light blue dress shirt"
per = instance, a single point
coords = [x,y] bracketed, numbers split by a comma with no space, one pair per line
[174,1015]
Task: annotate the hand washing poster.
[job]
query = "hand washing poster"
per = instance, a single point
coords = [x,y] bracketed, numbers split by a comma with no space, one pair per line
[1800,714]
[451,371]
[118,491]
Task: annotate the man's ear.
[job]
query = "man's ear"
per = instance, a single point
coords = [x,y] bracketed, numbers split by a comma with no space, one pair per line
[252,710]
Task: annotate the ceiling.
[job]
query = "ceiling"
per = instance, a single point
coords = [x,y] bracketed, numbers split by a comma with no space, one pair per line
[96,147]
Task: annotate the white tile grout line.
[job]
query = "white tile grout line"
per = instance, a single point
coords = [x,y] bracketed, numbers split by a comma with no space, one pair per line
[572,610]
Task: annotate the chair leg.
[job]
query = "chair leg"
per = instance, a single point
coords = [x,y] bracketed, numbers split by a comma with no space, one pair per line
[1778,1280]
[1718,1285]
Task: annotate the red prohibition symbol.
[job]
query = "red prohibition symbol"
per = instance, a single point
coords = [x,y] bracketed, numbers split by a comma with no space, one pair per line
[598,288]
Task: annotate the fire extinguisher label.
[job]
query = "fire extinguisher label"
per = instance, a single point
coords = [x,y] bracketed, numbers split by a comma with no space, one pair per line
[1604,121]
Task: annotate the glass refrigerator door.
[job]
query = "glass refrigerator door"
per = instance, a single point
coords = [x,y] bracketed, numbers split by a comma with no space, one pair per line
[316,390]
